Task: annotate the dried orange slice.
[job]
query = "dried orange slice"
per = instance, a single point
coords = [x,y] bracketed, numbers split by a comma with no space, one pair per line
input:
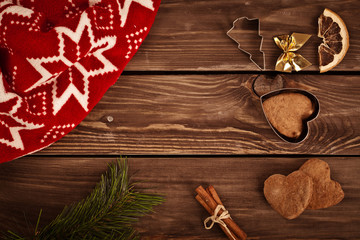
[335,40]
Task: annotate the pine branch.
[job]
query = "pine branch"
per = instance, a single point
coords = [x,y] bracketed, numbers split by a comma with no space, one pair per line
[107,213]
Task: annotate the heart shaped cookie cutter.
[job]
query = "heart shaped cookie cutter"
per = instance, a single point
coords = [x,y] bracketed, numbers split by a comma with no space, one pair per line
[305,122]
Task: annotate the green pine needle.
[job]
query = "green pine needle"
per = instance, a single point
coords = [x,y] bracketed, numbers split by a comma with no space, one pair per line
[107,213]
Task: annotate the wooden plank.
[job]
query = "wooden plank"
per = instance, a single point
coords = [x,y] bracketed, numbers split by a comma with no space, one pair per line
[191,35]
[31,183]
[211,114]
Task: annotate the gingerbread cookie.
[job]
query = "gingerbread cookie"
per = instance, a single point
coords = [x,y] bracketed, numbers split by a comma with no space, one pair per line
[326,192]
[289,195]
[287,112]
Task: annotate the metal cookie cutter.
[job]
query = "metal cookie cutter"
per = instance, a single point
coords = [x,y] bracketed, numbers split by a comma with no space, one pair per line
[246,32]
[305,122]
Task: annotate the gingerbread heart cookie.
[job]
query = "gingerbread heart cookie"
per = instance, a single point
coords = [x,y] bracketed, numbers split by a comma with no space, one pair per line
[326,192]
[288,111]
[289,195]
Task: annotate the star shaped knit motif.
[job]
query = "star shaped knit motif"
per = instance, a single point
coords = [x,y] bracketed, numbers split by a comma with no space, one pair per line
[58,59]
[12,123]
[82,95]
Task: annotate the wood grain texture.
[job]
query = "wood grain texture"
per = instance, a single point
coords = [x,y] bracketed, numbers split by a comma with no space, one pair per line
[211,114]
[191,35]
[31,183]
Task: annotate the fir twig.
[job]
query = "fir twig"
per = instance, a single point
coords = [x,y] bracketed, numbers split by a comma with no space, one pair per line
[107,213]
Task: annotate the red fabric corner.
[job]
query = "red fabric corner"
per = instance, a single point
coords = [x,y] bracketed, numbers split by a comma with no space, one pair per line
[57,59]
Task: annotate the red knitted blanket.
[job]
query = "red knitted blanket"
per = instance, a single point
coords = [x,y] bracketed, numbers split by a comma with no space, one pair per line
[57,59]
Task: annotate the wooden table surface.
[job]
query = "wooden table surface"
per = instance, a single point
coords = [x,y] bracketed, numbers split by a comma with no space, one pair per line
[185,113]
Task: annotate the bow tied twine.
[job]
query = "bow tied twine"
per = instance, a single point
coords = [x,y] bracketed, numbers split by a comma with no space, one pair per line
[289,60]
[219,219]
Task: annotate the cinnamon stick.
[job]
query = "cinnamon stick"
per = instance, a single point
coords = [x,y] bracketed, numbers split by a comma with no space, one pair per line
[209,200]
[240,233]
[207,208]
[229,235]
[214,194]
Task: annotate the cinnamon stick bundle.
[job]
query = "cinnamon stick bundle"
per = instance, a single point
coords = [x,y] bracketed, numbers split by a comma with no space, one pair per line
[209,199]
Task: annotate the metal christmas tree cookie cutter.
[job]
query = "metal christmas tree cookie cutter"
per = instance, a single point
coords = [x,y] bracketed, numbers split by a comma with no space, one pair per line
[242,32]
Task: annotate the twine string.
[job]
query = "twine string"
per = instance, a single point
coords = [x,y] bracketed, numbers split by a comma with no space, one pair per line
[218,219]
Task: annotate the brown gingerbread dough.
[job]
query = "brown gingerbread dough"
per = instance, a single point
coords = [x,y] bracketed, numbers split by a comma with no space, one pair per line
[326,192]
[289,195]
[287,111]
